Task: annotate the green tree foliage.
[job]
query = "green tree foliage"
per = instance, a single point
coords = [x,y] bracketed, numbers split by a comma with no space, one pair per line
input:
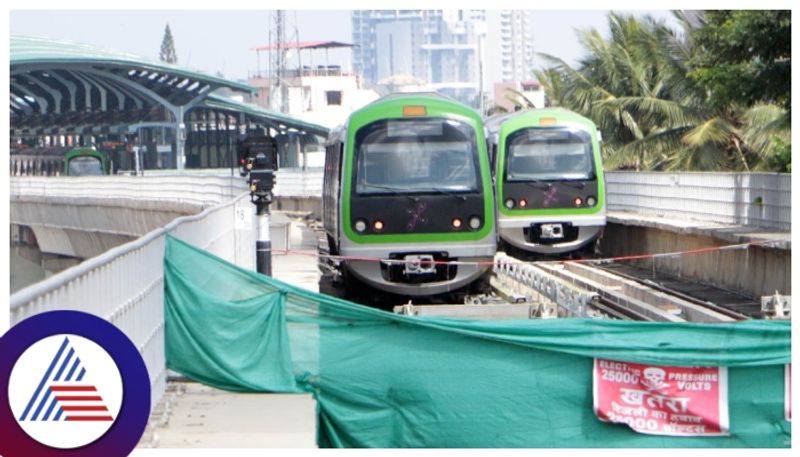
[744,57]
[637,88]
[168,53]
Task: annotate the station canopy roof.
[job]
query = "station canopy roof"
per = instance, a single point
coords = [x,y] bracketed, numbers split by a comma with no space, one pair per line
[64,87]
[281,122]
[304,45]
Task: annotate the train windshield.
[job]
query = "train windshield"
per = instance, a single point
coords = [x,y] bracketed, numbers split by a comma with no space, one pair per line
[85,166]
[416,156]
[549,154]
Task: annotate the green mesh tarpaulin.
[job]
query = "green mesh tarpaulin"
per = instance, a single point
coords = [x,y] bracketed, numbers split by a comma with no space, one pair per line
[384,380]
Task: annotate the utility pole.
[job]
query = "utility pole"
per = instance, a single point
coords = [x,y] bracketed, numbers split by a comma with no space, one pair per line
[278,61]
[481,107]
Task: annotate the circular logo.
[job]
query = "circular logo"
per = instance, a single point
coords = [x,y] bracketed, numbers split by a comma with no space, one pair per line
[65,391]
[75,384]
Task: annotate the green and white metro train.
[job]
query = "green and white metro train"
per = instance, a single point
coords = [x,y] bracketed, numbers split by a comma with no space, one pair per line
[407,180]
[548,176]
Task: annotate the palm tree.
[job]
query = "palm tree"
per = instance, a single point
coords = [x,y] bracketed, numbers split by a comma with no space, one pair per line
[636,87]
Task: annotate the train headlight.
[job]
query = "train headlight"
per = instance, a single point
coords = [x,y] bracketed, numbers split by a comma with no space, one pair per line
[456,223]
[361,225]
[578,201]
[474,222]
[523,203]
[510,203]
[378,225]
[590,201]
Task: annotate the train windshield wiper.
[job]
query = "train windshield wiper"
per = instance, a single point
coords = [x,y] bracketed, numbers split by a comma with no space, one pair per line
[536,184]
[575,184]
[392,190]
[445,191]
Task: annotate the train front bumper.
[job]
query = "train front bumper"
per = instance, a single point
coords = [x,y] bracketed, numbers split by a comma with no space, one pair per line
[472,262]
[512,231]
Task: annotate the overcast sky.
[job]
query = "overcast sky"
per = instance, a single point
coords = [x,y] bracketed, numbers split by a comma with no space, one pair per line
[213,41]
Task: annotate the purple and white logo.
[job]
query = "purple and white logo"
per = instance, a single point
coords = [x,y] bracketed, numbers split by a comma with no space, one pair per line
[72,399]
[74,385]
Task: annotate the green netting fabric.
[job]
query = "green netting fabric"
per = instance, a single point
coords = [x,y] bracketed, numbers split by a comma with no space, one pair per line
[384,380]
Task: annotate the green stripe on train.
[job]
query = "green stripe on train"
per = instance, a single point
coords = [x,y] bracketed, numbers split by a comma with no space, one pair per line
[392,108]
[531,119]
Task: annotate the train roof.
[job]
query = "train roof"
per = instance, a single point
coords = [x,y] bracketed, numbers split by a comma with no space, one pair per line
[388,106]
[83,151]
[494,124]
[419,98]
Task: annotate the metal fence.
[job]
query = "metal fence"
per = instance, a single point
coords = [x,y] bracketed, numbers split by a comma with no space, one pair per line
[754,199]
[125,285]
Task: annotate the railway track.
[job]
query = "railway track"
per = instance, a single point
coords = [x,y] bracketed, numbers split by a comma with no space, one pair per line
[584,290]
[550,289]
[725,301]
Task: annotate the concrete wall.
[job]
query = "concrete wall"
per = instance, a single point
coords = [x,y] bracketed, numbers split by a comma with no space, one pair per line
[754,271]
[86,227]
[311,205]
[85,216]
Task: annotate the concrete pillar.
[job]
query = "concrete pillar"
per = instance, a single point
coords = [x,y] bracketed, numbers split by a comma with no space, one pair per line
[180,138]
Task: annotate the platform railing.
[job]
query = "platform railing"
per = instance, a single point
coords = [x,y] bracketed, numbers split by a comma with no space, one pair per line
[125,285]
[289,182]
[197,189]
[753,199]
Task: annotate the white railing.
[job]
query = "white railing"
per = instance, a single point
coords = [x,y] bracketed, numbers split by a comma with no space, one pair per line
[196,189]
[754,199]
[125,285]
[289,182]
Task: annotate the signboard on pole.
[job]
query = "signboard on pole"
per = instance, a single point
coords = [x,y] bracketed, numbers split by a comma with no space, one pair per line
[660,400]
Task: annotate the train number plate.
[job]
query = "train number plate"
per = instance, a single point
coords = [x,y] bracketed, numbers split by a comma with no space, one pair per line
[419,265]
[552,231]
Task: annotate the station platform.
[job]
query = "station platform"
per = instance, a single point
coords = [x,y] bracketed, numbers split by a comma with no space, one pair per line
[294,258]
[192,415]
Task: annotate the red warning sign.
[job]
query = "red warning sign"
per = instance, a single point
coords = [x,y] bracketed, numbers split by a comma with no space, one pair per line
[659,400]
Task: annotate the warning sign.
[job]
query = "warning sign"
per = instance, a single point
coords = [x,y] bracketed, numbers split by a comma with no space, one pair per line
[658,400]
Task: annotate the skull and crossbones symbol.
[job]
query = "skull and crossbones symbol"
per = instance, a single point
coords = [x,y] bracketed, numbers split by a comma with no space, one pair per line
[654,378]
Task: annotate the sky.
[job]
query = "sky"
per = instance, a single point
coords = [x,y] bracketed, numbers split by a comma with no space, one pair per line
[223,41]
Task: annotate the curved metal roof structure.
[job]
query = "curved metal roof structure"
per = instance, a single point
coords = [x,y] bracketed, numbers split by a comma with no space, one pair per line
[304,45]
[64,88]
[59,86]
[280,121]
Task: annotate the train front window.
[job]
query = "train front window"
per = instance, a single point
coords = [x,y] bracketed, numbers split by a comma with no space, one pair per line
[85,166]
[551,154]
[416,156]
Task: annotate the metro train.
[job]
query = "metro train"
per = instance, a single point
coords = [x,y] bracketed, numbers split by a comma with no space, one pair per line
[548,177]
[86,161]
[407,191]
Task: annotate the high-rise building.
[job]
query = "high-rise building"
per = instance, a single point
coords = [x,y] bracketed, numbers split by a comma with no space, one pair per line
[441,48]
[509,46]
[367,24]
